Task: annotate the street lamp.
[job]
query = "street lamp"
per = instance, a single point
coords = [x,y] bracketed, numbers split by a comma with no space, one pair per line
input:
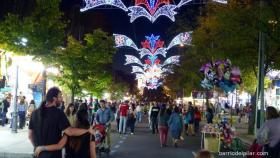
[15,113]
[260,88]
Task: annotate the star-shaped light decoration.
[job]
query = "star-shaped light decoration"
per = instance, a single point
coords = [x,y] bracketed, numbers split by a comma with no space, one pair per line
[152,71]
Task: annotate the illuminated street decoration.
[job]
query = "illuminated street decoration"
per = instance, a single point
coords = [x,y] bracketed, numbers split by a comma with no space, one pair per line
[150,9]
[122,41]
[150,69]
[181,39]
[221,1]
[137,69]
[130,59]
[172,60]
[96,3]
[165,10]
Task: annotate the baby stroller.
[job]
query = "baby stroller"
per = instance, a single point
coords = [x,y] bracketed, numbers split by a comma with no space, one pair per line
[100,139]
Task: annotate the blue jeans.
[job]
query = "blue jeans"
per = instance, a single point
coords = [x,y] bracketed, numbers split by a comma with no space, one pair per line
[139,117]
[21,119]
[122,124]
[4,118]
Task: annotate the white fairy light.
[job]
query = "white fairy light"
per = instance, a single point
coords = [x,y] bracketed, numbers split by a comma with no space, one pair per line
[151,11]
[96,3]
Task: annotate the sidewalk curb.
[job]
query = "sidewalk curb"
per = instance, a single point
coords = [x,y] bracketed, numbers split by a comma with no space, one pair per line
[15,155]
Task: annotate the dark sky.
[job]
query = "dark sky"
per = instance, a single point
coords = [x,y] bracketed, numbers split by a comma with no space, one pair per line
[116,20]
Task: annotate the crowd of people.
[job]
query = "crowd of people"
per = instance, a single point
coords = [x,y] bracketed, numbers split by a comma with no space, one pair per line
[24,110]
[53,127]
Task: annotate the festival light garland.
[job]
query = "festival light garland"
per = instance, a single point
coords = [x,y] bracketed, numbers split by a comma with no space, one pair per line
[152,71]
[150,9]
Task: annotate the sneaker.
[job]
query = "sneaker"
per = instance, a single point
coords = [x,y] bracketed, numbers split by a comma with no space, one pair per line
[131,133]
[181,138]
[175,145]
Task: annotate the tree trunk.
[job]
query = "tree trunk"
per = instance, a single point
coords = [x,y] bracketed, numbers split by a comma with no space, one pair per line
[72,95]
[207,99]
[251,125]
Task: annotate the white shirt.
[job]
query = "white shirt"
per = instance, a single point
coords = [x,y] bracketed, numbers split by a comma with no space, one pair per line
[138,108]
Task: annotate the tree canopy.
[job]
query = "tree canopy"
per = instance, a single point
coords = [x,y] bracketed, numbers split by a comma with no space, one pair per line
[232,31]
[84,65]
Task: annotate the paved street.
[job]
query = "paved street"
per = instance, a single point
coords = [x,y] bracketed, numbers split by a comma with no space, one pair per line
[143,144]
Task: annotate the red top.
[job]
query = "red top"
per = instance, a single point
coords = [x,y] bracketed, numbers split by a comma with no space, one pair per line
[123,109]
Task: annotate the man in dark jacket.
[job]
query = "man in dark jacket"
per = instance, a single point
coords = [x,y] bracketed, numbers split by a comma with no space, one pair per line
[6,105]
[154,119]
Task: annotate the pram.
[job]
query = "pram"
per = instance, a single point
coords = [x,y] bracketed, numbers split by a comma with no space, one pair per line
[100,139]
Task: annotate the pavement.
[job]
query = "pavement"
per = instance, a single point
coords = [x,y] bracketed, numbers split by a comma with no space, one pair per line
[14,144]
[143,144]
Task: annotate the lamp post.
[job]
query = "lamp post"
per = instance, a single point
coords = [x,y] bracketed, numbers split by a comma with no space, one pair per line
[15,113]
[260,88]
[44,83]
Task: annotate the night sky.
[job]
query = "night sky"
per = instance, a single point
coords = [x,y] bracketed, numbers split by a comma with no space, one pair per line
[115,20]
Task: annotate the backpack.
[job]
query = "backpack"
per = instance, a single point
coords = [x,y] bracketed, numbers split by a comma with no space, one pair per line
[255,148]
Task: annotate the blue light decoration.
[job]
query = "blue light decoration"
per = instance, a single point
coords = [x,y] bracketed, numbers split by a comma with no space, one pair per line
[152,70]
[150,9]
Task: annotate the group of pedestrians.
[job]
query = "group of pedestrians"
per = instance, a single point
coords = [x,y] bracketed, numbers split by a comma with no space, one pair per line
[51,128]
[128,114]
[171,118]
[23,110]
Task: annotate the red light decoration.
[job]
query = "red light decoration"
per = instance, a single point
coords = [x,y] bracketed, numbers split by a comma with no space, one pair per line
[151,9]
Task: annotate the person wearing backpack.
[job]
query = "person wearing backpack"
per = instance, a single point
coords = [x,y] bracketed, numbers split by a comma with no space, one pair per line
[269,134]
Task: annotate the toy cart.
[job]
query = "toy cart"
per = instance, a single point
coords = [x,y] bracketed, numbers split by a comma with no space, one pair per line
[211,141]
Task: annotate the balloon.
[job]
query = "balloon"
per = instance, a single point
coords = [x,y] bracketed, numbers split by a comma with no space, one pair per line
[235,71]
[222,74]
[235,79]
[218,62]
[206,84]
[227,75]
[220,70]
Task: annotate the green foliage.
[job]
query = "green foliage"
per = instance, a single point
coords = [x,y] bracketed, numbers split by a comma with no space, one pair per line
[232,31]
[43,29]
[187,76]
[249,82]
[118,90]
[86,67]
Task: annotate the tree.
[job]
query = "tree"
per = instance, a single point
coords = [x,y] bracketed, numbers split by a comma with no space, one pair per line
[232,31]
[43,28]
[86,66]
[118,90]
[69,61]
